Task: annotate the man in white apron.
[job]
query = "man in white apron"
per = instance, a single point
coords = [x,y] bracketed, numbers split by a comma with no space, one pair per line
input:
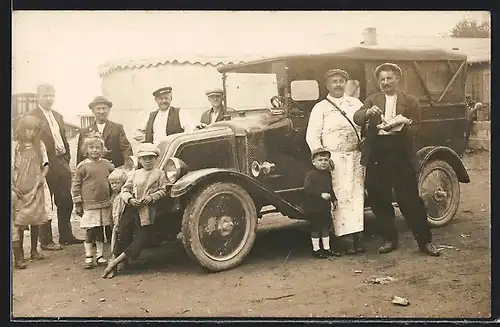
[330,127]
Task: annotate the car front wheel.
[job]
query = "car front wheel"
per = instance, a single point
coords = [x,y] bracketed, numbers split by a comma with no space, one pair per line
[440,190]
[219,226]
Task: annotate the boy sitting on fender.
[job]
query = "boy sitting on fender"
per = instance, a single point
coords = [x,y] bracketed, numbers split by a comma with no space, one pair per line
[319,199]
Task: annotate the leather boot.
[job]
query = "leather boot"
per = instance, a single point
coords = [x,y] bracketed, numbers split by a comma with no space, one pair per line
[34,254]
[388,246]
[17,248]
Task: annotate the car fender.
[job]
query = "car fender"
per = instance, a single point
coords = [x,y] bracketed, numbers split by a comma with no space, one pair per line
[446,154]
[191,180]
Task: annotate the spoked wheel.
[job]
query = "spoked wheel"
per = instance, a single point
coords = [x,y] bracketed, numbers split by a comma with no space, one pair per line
[219,226]
[440,190]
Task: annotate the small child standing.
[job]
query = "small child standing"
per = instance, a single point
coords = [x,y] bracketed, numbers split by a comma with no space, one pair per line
[143,188]
[91,197]
[30,165]
[116,179]
[319,199]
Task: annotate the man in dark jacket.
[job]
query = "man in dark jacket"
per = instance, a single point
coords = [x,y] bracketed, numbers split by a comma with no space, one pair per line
[391,162]
[53,135]
[116,142]
[164,121]
[217,112]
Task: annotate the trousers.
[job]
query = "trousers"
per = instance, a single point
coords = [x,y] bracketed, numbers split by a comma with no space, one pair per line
[59,182]
[385,171]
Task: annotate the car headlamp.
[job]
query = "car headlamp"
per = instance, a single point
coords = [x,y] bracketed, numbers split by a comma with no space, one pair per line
[175,168]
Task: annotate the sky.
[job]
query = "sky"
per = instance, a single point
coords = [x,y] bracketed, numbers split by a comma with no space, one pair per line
[65,48]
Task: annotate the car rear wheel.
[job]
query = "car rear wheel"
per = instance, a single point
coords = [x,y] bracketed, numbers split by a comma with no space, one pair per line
[440,190]
[219,226]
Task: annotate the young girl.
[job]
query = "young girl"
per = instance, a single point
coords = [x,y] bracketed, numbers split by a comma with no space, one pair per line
[143,188]
[91,197]
[30,165]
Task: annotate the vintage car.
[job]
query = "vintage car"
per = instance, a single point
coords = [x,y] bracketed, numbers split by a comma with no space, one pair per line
[227,176]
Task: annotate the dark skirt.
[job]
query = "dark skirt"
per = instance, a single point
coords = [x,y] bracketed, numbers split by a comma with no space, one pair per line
[132,237]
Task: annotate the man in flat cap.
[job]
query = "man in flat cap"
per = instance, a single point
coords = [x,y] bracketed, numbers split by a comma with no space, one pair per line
[218,110]
[115,140]
[391,161]
[53,135]
[330,126]
[166,120]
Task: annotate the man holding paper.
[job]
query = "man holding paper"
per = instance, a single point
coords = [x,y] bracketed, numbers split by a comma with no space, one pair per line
[389,121]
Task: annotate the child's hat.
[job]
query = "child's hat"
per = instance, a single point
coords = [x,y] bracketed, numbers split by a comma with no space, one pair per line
[318,151]
[147,149]
[118,175]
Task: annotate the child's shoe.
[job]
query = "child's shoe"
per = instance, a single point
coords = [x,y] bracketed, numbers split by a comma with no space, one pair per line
[332,253]
[318,254]
[89,258]
[18,255]
[100,260]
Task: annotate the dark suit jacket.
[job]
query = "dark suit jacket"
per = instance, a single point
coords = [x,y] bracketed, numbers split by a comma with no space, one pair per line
[317,182]
[205,117]
[46,134]
[115,140]
[406,105]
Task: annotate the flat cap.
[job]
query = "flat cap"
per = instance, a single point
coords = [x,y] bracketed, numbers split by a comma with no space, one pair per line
[147,149]
[100,100]
[162,90]
[388,66]
[214,92]
[337,71]
[318,151]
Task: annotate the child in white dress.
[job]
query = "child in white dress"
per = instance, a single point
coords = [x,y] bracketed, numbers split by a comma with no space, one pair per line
[92,198]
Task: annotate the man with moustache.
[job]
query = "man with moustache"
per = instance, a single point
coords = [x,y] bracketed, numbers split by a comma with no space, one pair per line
[53,135]
[391,162]
[116,142]
[164,121]
[217,112]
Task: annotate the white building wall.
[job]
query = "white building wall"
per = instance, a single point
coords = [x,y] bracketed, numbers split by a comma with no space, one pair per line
[131,90]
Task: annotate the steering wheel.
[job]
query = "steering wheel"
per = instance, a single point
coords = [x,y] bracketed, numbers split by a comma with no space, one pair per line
[278,102]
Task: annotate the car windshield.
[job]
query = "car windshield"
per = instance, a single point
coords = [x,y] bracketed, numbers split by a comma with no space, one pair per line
[250,91]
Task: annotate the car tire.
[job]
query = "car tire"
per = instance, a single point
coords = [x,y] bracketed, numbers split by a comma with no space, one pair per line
[219,226]
[440,190]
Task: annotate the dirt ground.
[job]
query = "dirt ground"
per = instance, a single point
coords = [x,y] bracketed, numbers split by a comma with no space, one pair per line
[279,278]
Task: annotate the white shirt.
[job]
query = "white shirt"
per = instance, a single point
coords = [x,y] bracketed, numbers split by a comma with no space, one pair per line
[329,129]
[213,115]
[390,110]
[160,126]
[54,129]
[100,127]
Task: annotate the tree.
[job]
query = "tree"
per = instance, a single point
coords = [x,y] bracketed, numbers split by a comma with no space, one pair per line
[470,28]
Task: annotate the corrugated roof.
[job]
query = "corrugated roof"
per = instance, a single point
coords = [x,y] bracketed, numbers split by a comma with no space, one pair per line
[153,62]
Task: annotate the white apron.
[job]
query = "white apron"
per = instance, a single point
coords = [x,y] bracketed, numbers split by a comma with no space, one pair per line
[338,136]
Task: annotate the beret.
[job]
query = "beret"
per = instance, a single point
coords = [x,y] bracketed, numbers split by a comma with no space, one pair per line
[100,100]
[147,149]
[166,89]
[388,66]
[318,151]
[336,71]
[214,92]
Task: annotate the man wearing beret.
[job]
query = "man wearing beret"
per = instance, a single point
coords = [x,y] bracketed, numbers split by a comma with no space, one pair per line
[116,142]
[166,120]
[330,126]
[53,135]
[217,112]
[390,160]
